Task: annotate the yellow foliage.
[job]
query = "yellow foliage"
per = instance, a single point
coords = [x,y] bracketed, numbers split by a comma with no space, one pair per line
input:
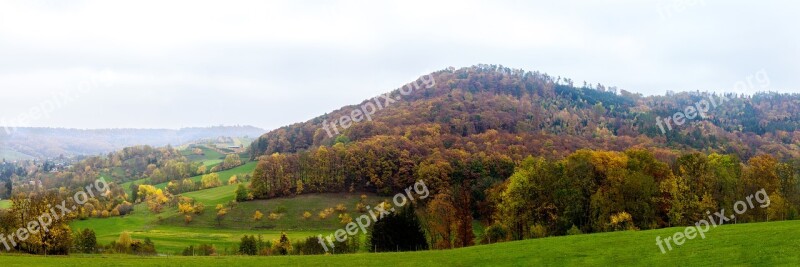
[257,216]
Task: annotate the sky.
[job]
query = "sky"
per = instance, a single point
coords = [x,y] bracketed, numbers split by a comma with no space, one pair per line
[172,64]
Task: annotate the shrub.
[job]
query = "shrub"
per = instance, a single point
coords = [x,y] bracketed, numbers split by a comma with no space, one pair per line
[345,218]
[257,216]
[274,216]
[341,208]
[574,231]
[538,231]
[242,194]
[496,233]
[85,241]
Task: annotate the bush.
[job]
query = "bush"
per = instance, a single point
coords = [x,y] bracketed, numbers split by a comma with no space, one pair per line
[248,246]
[282,246]
[274,216]
[341,208]
[324,214]
[125,208]
[85,241]
[574,231]
[495,233]
[538,231]
[242,194]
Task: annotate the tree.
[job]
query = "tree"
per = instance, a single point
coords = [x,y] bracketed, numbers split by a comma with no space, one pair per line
[221,212]
[299,188]
[248,245]
[242,194]
[210,180]
[231,161]
[442,221]
[282,246]
[123,244]
[257,216]
[398,231]
[202,169]
[527,200]
[56,241]
[85,241]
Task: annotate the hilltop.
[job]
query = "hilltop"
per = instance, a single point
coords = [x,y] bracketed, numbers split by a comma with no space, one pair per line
[535,113]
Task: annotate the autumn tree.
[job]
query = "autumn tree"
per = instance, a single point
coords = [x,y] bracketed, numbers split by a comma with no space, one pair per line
[257,216]
[210,180]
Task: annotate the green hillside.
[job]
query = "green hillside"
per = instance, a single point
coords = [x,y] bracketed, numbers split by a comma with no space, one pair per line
[171,234]
[223,175]
[762,244]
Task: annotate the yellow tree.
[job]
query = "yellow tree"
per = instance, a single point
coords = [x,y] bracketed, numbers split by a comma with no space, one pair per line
[442,221]
[221,212]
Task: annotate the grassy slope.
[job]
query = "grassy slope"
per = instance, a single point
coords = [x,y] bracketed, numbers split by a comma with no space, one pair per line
[223,175]
[4,204]
[210,157]
[171,235]
[763,244]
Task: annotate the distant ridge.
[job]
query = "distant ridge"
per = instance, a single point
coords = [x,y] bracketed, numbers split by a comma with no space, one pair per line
[40,142]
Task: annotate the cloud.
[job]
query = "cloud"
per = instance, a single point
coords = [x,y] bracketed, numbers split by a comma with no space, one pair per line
[272,63]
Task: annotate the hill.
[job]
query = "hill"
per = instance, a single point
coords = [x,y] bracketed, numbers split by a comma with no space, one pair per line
[29,142]
[766,244]
[535,113]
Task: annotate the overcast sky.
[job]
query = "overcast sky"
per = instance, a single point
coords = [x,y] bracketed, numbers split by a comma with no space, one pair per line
[171,64]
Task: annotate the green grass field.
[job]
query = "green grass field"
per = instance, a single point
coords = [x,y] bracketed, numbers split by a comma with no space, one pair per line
[209,158]
[4,204]
[223,175]
[760,244]
[171,234]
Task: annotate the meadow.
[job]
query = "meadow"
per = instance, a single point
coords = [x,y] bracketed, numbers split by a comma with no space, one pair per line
[171,234]
[247,168]
[762,244]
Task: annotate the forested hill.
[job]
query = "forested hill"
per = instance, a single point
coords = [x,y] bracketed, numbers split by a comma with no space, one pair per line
[519,113]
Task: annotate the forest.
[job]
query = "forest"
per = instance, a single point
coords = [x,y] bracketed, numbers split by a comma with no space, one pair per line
[533,155]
